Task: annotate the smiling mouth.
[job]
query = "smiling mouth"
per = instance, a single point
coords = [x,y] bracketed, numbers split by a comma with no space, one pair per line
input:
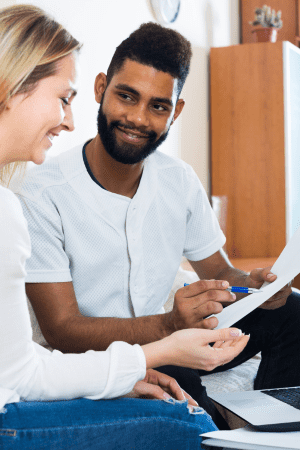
[131,136]
[50,135]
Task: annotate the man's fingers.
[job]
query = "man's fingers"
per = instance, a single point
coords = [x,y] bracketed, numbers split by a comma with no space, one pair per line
[209,324]
[207,309]
[260,275]
[202,286]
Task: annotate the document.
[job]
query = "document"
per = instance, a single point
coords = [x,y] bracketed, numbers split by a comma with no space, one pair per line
[248,438]
[286,268]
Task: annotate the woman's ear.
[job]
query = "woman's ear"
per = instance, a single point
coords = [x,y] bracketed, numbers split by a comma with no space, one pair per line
[14,101]
[100,86]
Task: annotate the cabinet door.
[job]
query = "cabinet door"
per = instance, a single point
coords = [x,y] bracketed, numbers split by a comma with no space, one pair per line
[247,146]
[290,19]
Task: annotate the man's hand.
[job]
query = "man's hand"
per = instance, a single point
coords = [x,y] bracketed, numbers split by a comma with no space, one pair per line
[195,302]
[257,277]
[160,386]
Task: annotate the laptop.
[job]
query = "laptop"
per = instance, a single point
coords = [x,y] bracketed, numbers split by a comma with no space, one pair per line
[265,410]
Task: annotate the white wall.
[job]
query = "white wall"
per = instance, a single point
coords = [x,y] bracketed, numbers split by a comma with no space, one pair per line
[102,24]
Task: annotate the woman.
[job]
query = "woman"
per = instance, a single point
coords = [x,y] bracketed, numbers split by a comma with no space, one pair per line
[37,87]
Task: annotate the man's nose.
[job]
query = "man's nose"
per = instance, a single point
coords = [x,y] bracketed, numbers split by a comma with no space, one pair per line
[68,121]
[138,116]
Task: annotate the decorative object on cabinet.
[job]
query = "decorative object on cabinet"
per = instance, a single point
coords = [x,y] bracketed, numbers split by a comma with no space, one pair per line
[255,150]
[165,11]
[265,17]
[290,12]
[268,22]
[265,34]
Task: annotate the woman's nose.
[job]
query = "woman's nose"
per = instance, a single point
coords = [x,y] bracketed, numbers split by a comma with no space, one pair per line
[68,121]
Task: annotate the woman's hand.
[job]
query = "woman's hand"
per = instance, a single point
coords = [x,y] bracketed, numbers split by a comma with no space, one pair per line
[160,386]
[190,348]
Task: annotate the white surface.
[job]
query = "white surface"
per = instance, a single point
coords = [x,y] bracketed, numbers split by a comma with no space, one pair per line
[239,446]
[291,67]
[286,268]
[28,370]
[289,440]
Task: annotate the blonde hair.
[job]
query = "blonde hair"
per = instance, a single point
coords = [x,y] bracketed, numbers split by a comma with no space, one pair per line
[31,43]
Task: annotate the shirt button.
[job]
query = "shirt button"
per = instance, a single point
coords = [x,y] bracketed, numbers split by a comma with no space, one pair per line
[136,289]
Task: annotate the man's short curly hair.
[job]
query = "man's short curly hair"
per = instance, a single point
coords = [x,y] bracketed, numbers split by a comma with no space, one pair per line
[155,46]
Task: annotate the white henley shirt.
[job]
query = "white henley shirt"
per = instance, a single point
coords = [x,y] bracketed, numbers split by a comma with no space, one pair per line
[121,254]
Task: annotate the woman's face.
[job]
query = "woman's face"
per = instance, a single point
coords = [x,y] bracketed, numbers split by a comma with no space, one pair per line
[34,120]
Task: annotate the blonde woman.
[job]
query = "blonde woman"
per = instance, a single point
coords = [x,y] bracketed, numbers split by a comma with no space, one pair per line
[37,88]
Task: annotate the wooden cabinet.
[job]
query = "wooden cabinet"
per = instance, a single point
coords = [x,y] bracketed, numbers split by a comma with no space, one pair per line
[255,144]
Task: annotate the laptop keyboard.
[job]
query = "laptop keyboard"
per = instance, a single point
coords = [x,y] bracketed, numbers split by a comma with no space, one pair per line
[291,396]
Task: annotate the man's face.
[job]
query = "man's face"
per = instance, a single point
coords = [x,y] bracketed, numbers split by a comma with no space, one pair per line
[136,111]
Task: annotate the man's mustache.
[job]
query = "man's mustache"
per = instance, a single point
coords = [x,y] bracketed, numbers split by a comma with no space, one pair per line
[150,134]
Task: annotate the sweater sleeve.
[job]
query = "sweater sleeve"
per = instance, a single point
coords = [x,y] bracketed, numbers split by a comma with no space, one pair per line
[31,371]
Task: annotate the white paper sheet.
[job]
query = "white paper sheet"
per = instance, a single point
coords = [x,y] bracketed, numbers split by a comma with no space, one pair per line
[230,445]
[287,440]
[286,268]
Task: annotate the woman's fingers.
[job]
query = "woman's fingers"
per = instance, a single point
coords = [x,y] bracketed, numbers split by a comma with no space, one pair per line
[168,384]
[142,389]
[222,344]
[190,399]
[157,385]
[228,351]
[216,336]
[171,386]
[224,352]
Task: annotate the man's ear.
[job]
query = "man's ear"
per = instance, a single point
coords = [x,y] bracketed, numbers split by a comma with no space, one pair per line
[100,86]
[178,108]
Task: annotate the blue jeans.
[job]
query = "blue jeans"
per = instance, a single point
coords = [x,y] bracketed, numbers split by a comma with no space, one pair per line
[106,424]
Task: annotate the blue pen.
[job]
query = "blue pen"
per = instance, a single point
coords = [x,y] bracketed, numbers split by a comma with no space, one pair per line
[242,290]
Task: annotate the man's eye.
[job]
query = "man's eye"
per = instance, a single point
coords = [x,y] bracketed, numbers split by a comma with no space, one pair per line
[125,96]
[65,101]
[159,108]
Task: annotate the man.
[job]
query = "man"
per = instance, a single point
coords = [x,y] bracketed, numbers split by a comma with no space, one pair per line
[110,220]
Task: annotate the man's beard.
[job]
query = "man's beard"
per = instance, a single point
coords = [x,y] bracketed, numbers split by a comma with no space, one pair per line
[126,153]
